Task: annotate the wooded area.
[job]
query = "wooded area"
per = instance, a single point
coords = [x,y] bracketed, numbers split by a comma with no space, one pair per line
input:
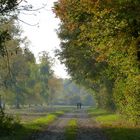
[100,46]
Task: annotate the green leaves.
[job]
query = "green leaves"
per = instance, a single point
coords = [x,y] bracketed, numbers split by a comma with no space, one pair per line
[7,6]
[99,47]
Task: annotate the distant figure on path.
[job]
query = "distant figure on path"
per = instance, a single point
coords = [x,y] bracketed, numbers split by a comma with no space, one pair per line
[79,105]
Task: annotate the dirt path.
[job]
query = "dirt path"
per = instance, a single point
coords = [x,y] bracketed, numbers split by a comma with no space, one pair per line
[56,130]
[87,129]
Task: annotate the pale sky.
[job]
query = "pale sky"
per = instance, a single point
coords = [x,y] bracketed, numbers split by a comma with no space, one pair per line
[44,37]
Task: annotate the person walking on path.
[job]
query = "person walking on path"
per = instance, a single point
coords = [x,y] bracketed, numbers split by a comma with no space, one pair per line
[79,105]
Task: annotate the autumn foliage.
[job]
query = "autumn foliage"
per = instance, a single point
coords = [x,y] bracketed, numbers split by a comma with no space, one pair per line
[100,47]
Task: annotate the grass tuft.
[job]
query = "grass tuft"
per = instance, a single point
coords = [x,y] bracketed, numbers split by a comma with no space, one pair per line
[71,130]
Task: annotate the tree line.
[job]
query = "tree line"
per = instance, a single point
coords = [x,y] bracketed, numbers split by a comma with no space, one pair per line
[22,80]
[72,93]
[100,46]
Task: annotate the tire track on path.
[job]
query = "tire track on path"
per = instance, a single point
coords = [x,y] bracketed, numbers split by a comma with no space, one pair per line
[88,129]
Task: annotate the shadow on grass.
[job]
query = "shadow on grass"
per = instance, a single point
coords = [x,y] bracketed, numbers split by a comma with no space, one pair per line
[109,133]
[91,134]
[46,135]
[21,133]
[87,133]
[118,133]
[106,133]
[25,133]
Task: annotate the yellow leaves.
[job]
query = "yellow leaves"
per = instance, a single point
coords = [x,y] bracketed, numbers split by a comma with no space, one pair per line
[54,83]
[83,27]
[71,26]
[101,58]
[37,88]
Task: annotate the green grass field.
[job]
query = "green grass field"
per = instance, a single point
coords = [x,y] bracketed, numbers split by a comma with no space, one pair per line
[115,126]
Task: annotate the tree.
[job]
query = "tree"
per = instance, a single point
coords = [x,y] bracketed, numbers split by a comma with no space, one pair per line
[76,47]
[55,86]
[72,93]
[45,74]
[100,46]
[7,6]
[15,64]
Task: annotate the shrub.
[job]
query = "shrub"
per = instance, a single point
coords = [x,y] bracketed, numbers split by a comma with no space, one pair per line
[8,124]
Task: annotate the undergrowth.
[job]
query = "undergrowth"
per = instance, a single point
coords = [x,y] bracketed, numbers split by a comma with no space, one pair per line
[8,124]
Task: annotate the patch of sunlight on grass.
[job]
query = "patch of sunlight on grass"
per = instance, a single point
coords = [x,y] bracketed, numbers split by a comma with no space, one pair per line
[72,123]
[45,120]
[71,130]
[108,119]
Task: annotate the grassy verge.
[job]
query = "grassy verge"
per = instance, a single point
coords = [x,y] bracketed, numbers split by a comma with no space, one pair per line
[115,126]
[26,129]
[71,130]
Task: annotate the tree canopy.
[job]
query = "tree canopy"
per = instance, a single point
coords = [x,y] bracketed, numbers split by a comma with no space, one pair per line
[100,47]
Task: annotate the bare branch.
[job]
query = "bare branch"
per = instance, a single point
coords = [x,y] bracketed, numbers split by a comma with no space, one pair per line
[32,14]
[30,8]
[27,23]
